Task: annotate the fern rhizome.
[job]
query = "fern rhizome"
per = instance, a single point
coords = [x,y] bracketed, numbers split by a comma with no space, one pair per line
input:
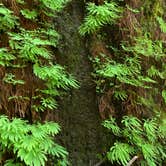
[129,70]
[31,82]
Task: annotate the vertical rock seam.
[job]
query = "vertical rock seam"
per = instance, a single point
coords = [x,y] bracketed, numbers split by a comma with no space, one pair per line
[81,124]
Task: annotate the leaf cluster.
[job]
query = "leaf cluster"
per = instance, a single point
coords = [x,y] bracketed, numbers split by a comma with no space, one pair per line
[30,144]
[98,16]
[28,47]
[7,19]
[145,139]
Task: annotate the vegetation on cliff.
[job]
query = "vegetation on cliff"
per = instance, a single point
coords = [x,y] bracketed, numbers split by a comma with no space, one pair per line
[129,71]
[127,52]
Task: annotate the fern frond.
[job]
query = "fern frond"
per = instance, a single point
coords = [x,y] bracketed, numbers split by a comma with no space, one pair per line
[5,57]
[10,79]
[30,143]
[48,103]
[99,16]
[162,130]
[121,153]
[149,153]
[148,48]
[162,24]
[120,95]
[12,163]
[50,128]
[164,95]
[56,76]
[112,125]
[132,123]
[29,14]
[150,127]
[125,73]
[152,71]
[58,151]
[55,5]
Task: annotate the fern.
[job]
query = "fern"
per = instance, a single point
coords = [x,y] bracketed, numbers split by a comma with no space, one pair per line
[6,58]
[125,73]
[139,138]
[131,123]
[56,76]
[7,19]
[152,72]
[29,47]
[49,103]
[55,5]
[132,10]
[135,68]
[111,124]
[10,79]
[30,143]
[148,48]
[162,24]
[12,163]
[162,130]
[149,153]
[29,14]
[20,2]
[150,127]
[120,152]
[120,95]
[164,95]
[99,16]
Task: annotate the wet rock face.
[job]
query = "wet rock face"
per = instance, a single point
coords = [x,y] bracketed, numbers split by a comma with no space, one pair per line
[81,124]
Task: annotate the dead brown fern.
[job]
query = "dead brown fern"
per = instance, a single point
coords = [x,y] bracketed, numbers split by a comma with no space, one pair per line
[19,106]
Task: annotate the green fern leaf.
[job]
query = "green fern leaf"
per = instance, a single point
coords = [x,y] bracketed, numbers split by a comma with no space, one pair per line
[164,95]
[7,19]
[132,123]
[150,127]
[121,153]
[55,5]
[29,14]
[111,124]
[162,24]
[120,95]
[99,16]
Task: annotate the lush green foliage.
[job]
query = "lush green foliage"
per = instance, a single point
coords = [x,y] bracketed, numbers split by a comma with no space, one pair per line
[32,46]
[127,66]
[162,24]
[7,19]
[99,16]
[145,139]
[54,5]
[129,71]
[30,75]
[31,144]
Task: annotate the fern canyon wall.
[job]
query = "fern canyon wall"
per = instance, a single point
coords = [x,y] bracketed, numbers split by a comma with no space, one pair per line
[82,82]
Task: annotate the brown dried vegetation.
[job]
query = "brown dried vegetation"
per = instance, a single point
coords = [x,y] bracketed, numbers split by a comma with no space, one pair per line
[132,24]
[21,103]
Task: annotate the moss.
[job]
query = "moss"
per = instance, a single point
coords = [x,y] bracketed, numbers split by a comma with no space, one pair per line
[79,116]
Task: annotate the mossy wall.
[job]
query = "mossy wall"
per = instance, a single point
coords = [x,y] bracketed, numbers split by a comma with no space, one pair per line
[82,133]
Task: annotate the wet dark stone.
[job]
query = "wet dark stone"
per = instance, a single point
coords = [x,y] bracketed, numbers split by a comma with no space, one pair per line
[82,133]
